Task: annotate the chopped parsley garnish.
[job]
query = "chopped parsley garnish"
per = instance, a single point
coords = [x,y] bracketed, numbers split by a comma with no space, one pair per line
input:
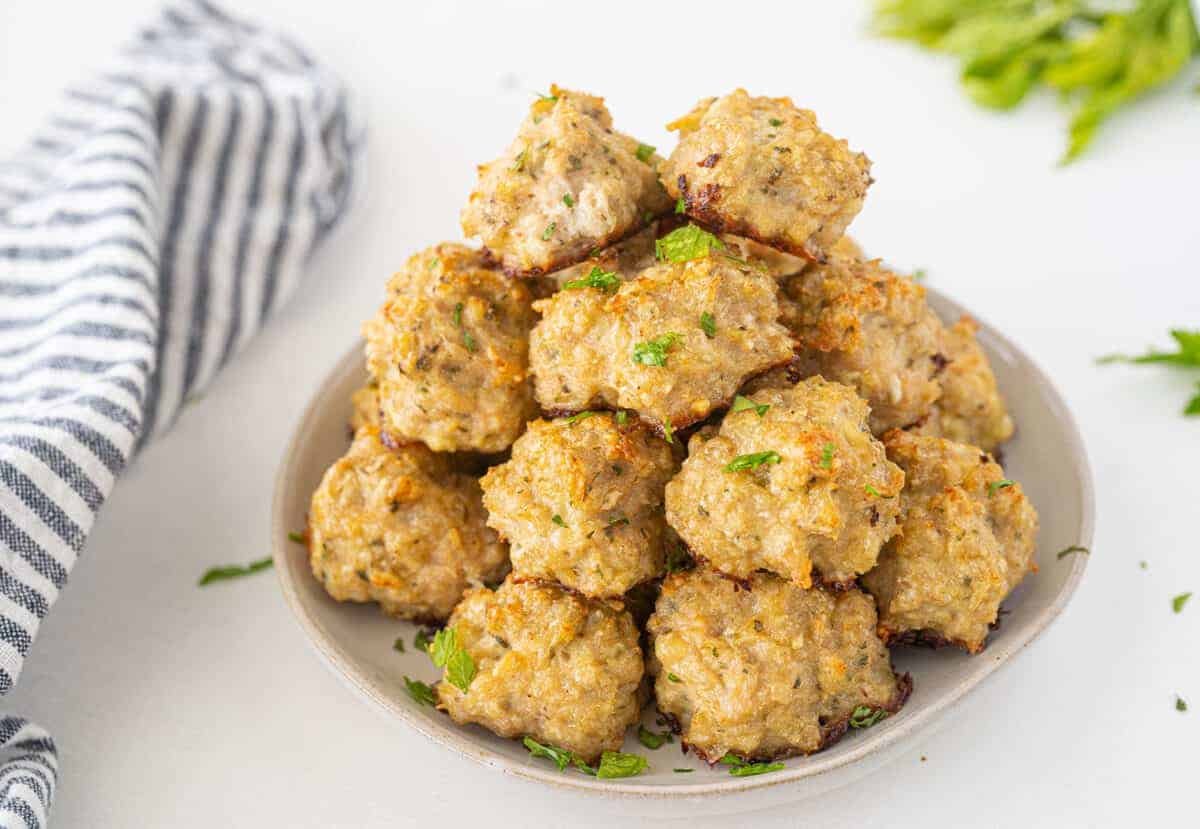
[680,207]
[653,740]
[561,757]
[457,315]
[827,456]
[673,678]
[1187,356]
[1003,483]
[567,200]
[617,520]
[622,417]
[603,280]
[1143,565]
[446,652]
[421,641]
[550,98]
[683,771]
[1180,703]
[644,151]
[686,243]
[708,324]
[519,161]
[558,519]
[677,557]
[433,263]
[668,432]
[1179,601]
[296,537]
[864,716]
[469,342]
[575,418]
[619,764]
[740,768]
[1074,548]
[398,645]
[753,461]
[549,231]
[654,352]
[919,275]
[741,404]
[419,691]
[234,571]
[872,490]
[775,122]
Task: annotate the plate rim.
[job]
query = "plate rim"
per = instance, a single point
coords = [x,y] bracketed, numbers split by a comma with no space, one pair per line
[450,735]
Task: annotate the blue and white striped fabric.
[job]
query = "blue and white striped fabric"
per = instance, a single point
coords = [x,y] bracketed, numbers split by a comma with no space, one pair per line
[146,233]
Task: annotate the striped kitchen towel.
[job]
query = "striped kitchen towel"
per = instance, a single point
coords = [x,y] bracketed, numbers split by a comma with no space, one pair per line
[146,233]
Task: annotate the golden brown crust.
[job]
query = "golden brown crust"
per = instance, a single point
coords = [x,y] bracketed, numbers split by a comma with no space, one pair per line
[582,351]
[830,502]
[766,672]
[449,350]
[763,169]
[402,528]
[550,664]
[567,185]
[967,538]
[365,403]
[581,503]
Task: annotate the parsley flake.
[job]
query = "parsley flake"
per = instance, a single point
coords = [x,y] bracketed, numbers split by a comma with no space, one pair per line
[619,764]
[1180,703]
[422,641]
[680,207]
[550,98]
[421,693]
[827,456]
[234,571]
[673,678]
[296,537]
[1179,601]
[549,231]
[398,645]
[677,557]
[995,486]
[864,716]
[644,151]
[1074,548]
[708,324]
[575,418]
[686,243]
[457,315]
[519,161]
[740,768]
[775,122]
[654,352]
[753,461]
[872,490]
[741,404]
[446,652]
[433,263]
[683,771]
[567,200]
[598,278]
[561,757]
[653,740]
[622,417]
[469,342]
[558,519]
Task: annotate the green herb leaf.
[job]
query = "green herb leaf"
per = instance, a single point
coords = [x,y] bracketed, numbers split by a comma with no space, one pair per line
[827,456]
[654,352]
[575,418]
[561,757]
[668,432]
[686,243]
[603,280]
[775,122]
[708,324]
[519,162]
[864,716]
[622,417]
[1187,353]
[398,645]
[469,342]
[419,691]
[872,490]
[1179,601]
[1180,703]
[234,571]
[457,315]
[558,519]
[644,151]
[568,200]
[919,275]
[673,678]
[680,207]
[995,486]
[433,263]
[421,641]
[549,231]
[677,557]
[1193,406]
[683,771]
[741,404]
[1074,548]
[753,461]
[653,740]
[619,764]
[296,537]
[447,653]
[740,768]
[541,97]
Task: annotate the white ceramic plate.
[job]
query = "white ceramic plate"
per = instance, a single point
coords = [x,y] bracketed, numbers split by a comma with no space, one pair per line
[1047,456]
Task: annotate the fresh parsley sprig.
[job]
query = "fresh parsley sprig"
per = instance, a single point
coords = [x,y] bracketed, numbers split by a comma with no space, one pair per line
[864,716]
[686,243]
[753,461]
[654,352]
[1186,355]
[606,281]
[446,652]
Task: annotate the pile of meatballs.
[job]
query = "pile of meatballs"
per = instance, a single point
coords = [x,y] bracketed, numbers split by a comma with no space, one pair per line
[668,434]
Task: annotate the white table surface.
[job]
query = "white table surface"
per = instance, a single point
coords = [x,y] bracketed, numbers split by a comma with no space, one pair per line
[187,707]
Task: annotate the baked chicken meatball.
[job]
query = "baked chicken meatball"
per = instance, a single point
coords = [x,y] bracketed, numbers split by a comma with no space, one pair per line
[549,664]
[449,351]
[967,538]
[970,409]
[567,184]
[766,669]
[760,167]
[580,503]
[791,481]
[674,344]
[401,528]
[860,324]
